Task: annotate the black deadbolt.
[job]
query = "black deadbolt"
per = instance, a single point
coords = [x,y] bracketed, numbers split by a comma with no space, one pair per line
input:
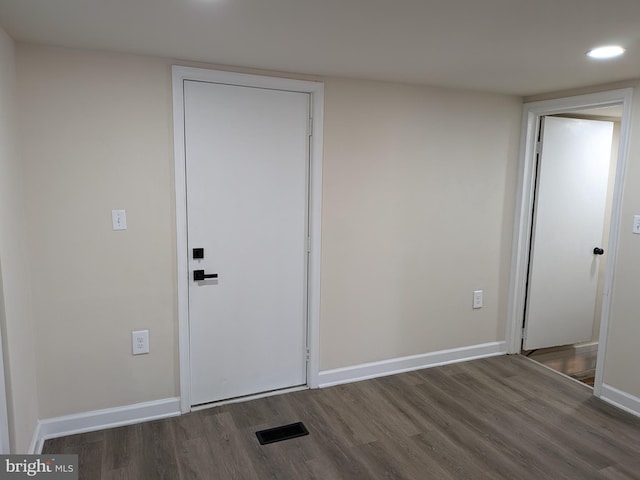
[198,253]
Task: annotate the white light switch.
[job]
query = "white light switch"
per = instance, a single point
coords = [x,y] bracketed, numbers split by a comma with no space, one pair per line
[119,219]
[636,224]
[477,299]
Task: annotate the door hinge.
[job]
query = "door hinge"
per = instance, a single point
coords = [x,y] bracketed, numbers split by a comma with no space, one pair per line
[539,147]
[308,244]
[307,355]
[310,127]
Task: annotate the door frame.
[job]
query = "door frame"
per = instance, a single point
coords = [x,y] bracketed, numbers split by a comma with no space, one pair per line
[524,209]
[316,90]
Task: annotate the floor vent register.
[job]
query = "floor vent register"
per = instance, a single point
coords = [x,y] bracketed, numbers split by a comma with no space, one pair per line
[285,432]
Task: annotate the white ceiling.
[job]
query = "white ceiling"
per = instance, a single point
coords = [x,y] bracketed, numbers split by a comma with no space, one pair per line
[520,47]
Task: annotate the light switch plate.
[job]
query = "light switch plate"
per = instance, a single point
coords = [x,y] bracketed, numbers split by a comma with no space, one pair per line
[477,299]
[636,224]
[119,219]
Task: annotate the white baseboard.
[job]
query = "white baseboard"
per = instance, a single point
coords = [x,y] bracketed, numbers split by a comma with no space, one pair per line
[170,407]
[328,378]
[620,399]
[101,419]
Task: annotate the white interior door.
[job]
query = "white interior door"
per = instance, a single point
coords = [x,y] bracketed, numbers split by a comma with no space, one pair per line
[569,215]
[247,156]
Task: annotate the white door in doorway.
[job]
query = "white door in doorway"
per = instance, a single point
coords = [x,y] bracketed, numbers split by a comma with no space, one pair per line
[573,171]
[247,158]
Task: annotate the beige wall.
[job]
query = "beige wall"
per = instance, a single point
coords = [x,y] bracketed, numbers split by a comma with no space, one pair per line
[623,327]
[16,322]
[417,213]
[96,135]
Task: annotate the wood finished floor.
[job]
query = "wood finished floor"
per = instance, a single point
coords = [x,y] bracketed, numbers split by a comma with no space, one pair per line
[497,418]
[575,362]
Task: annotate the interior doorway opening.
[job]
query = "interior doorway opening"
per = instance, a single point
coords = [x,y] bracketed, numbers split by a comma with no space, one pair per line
[547,323]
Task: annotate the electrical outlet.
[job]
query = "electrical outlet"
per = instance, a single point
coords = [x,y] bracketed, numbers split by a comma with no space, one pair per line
[477,299]
[139,342]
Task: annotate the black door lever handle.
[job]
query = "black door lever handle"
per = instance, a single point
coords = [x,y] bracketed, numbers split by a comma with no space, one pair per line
[598,251]
[199,275]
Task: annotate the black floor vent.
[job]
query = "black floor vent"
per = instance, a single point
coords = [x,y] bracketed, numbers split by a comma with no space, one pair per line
[285,432]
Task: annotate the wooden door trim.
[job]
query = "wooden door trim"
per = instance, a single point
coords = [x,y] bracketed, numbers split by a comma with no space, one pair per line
[316,90]
[524,204]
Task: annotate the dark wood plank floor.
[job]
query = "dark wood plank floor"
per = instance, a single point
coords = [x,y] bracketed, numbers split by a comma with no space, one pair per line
[497,418]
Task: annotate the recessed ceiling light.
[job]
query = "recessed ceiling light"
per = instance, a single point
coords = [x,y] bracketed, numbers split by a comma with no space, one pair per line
[608,51]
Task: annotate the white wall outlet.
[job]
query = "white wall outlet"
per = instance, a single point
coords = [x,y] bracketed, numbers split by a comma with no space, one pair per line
[636,224]
[119,219]
[477,299]
[139,342]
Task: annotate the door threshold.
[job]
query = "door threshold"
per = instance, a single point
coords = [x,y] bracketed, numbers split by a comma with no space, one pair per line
[247,398]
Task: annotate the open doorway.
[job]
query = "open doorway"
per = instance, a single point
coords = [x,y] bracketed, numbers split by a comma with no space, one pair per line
[573,198]
[524,220]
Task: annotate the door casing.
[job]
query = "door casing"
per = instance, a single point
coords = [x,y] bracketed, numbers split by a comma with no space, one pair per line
[316,90]
[524,208]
